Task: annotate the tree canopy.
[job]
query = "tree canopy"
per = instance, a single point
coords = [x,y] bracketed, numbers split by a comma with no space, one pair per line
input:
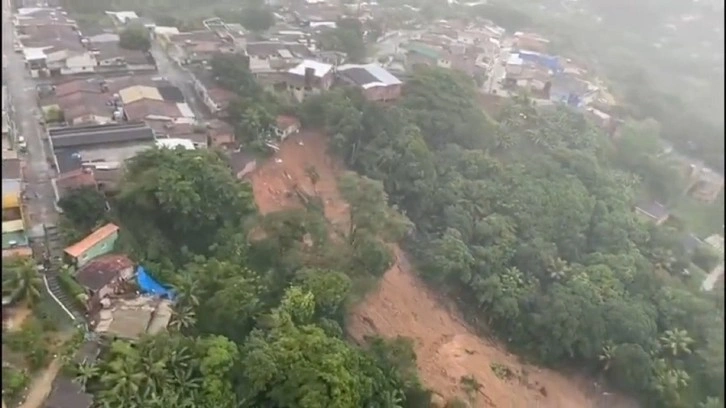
[135,37]
[527,217]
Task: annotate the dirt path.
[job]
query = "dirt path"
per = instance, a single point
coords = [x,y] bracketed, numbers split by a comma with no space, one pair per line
[41,385]
[446,347]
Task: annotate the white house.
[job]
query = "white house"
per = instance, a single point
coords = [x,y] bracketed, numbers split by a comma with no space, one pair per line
[76,63]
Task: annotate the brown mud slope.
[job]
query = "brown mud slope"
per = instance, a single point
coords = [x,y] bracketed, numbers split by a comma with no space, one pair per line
[275,181]
[446,347]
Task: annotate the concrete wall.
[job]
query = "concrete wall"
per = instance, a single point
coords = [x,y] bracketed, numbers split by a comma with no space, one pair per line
[383,93]
[101,248]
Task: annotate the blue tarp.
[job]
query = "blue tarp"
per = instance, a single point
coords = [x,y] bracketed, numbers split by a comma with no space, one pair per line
[148,285]
[551,62]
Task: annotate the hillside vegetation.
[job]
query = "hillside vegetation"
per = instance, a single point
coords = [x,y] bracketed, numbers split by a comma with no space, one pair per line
[525,220]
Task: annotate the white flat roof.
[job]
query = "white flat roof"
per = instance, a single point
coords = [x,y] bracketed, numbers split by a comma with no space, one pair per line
[166,30]
[123,16]
[173,143]
[321,68]
[35,53]
[514,59]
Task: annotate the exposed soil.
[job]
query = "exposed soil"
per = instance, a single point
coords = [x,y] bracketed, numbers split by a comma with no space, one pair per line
[13,317]
[274,182]
[41,385]
[447,348]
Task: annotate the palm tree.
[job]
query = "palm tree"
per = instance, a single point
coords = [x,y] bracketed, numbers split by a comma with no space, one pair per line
[22,281]
[185,288]
[183,318]
[676,341]
[393,399]
[558,268]
[85,372]
[123,379]
[607,354]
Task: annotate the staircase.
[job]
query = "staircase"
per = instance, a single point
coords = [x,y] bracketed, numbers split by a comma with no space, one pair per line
[60,294]
[54,247]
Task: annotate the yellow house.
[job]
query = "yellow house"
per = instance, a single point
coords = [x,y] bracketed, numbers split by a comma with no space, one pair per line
[11,195]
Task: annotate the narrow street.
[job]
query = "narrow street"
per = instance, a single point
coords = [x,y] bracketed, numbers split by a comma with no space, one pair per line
[40,208]
[180,78]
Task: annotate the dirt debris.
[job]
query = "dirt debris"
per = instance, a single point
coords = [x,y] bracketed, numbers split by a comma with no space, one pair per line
[447,348]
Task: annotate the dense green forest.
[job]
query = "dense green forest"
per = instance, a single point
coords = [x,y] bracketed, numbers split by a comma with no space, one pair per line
[525,218]
[528,221]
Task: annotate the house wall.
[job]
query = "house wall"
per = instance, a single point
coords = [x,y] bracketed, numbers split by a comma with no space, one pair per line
[79,63]
[11,200]
[383,93]
[413,59]
[219,140]
[204,94]
[101,248]
[94,301]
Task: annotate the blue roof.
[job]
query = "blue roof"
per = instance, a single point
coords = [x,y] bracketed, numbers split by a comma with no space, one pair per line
[148,285]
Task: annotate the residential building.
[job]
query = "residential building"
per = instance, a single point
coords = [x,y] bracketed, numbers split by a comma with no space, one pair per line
[66,183]
[704,184]
[286,126]
[377,83]
[195,134]
[97,243]
[98,146]
[105,276]
[220,134]
[653,211]
[273,56]
[109,55]
[310,77]
[215,98]
[175,143]
[198,46]
[420,54]
[14,237]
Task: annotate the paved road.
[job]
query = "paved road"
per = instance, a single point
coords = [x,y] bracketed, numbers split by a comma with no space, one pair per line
[179,77]
[40,207]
